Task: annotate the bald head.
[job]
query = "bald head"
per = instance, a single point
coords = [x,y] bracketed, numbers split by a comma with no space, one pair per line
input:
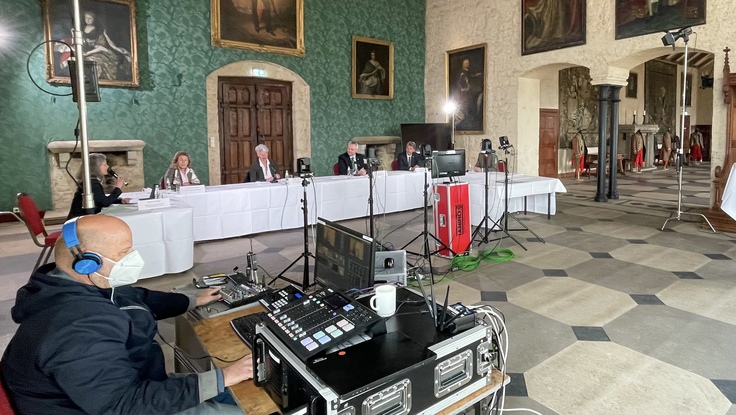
[105,235]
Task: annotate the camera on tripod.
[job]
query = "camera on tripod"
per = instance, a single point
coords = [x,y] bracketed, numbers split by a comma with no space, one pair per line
[304,167]
[372,156]
[504,143]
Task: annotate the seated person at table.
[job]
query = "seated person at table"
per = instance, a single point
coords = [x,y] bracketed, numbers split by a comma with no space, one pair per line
[98,169]
[263,169]
[179,172]
[351,160]
[409,159]
[85,344]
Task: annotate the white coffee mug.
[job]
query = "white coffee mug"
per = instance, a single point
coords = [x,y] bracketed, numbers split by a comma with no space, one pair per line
[384,301]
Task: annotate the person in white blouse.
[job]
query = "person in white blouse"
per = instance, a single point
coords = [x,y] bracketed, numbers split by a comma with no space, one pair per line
[263,169]
[179,173]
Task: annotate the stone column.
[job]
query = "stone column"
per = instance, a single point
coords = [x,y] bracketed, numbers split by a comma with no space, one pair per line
[612,185]
[600,193]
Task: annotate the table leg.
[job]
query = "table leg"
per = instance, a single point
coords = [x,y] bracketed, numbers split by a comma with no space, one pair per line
[524,205]
[549,206]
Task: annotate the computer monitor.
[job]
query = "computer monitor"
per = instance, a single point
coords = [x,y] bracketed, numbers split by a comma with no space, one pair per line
[344,257]
[438,135]
[449,163]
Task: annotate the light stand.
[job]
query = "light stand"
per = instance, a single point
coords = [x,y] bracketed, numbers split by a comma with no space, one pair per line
[450,108]
[306,254]
[670,39]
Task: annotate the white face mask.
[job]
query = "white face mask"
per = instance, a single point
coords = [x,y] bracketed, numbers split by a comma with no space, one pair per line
[125,271]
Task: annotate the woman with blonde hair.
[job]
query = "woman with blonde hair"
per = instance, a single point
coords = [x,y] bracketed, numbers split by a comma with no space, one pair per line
[98,169]
[179,173]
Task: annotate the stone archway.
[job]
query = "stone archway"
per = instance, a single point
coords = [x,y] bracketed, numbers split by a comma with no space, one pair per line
[301,117]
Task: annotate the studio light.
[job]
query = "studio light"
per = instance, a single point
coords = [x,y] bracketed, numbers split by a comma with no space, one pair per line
[451,108]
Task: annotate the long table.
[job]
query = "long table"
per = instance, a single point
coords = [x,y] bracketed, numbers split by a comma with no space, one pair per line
[164,237]
[243,209]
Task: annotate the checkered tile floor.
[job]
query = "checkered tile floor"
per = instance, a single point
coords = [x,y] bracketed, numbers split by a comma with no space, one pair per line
[609,316]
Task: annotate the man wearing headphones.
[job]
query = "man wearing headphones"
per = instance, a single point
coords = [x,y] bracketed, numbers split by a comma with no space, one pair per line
[85,344]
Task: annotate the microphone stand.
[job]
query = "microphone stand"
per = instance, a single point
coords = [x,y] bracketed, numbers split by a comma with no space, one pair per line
[483,224]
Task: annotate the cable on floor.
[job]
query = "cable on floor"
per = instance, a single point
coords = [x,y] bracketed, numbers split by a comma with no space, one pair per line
[469,263]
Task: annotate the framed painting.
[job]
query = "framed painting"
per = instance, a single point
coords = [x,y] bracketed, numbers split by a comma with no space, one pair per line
[633,85]
[551,24]
[109,33]
[466,88]
[641,17]
[270,26]
[373,68]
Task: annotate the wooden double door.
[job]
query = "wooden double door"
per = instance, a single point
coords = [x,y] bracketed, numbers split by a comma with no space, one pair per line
[253,111]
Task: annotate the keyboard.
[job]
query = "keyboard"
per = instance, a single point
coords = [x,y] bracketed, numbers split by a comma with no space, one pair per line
[245,327]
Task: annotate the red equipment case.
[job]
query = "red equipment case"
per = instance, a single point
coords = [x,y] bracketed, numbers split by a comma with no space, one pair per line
[452,218]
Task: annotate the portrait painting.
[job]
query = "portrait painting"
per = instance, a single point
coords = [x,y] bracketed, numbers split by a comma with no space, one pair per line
[641,17]
[271,26]
[466,74]
[108,35]
[551,24]
[633,85]
[373,68]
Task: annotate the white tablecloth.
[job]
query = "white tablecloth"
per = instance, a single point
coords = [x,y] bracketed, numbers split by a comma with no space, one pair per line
[163,237]
[728,203]
[539,193]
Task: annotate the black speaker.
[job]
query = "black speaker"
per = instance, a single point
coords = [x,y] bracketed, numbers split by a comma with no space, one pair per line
[91,88]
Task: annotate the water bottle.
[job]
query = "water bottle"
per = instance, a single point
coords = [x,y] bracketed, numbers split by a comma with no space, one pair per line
[286,176]
[156,192]
[350,171]
[168,184]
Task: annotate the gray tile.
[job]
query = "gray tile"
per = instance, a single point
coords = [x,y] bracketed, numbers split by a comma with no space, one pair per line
[727,387]
[646,299]
[637,241]
[517,387]
[554,273]
[719,257]
[574,229]
[600,255]
[591,334]
[686,275]
[493,296]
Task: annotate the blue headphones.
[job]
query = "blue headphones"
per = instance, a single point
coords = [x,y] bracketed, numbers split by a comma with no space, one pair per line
[84,262]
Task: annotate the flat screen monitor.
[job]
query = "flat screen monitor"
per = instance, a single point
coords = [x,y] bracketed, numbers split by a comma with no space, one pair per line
[344,257]
[439,136]
[449,163]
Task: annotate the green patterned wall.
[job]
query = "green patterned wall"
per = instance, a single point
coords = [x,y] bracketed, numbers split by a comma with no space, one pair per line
[173,38]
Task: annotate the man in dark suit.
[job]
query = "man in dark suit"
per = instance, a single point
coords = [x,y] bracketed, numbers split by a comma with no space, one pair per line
[351,160]
[409,159]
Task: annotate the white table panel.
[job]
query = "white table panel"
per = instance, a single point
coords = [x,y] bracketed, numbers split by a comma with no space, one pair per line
[728,203]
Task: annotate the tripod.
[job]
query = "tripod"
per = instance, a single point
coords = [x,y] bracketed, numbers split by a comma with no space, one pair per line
[483,225]
[426,233]
[504,219]
[306,254]
[685,34]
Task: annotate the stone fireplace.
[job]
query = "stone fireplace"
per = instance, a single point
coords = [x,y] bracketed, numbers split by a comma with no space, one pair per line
[385,148]
[124,156]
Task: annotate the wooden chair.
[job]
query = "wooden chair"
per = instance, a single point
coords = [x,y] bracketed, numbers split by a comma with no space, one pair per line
[5,406]
[395,165]
[32,218]
[336,169]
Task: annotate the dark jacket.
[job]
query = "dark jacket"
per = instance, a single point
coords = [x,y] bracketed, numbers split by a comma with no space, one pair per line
[256,172]
[404,162]
[98,193]
[343,162]
[77,352]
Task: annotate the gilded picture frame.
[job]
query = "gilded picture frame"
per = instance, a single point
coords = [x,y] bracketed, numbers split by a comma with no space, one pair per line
[109,33]
[269,26]
[466,87]
[632,85]
[373,68]
[643,17]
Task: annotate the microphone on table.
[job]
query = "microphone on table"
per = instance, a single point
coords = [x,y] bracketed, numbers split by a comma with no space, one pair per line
[115,175]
